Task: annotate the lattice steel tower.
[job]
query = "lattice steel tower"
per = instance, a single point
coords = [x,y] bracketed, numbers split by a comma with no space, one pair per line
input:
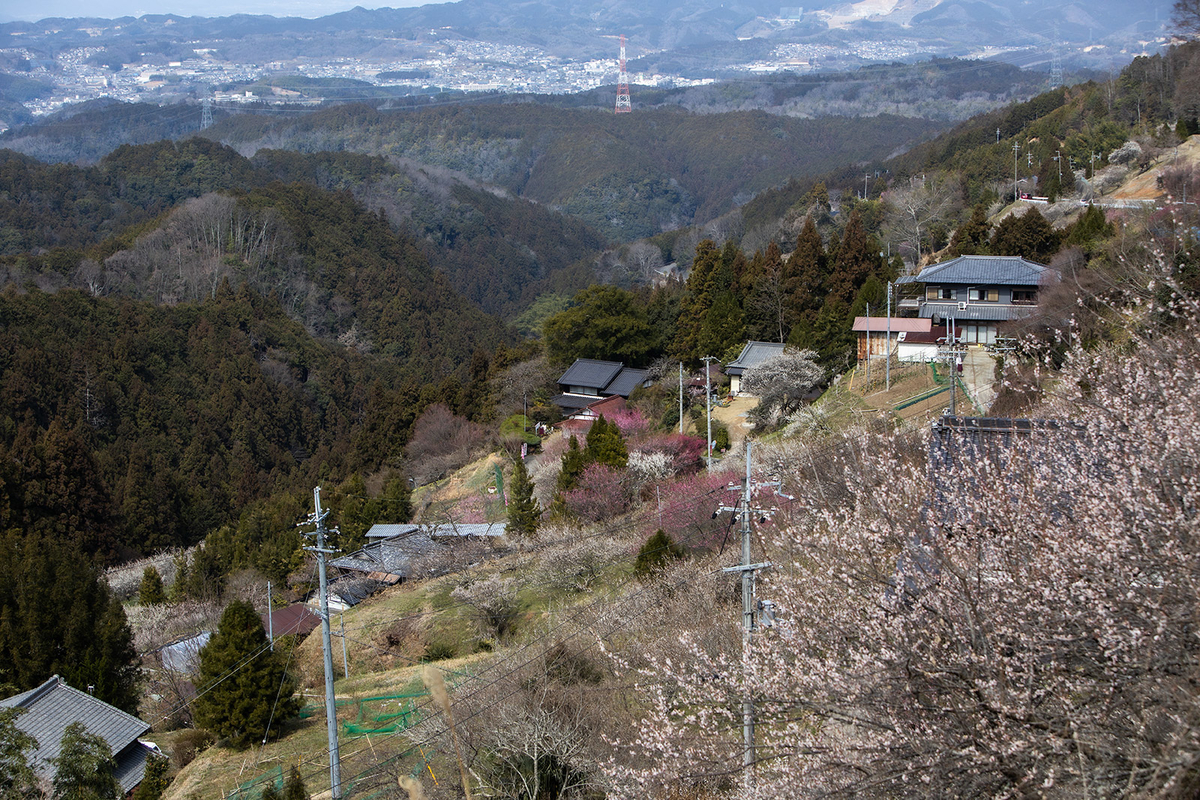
[623,104]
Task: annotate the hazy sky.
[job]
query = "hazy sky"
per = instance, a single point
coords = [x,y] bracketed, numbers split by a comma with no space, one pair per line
[40,9]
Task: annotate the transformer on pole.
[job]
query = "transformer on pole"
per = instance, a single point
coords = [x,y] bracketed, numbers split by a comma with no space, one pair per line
[623,104]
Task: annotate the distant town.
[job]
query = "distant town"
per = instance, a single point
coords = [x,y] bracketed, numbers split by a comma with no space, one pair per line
[466,66]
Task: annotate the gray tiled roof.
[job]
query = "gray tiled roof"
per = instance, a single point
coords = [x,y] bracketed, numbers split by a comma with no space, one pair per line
[753,354]
[393,556]
[353,590]
[54,705]
[626,381]
[408,529]
[591,373]
[987,270]
[976,311]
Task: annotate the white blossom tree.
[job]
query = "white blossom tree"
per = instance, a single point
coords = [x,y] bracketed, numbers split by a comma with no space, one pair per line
[783,382]
[1038,641]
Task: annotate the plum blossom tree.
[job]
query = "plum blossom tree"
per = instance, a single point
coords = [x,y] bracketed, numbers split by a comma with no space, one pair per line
[783,382]
[1040,645]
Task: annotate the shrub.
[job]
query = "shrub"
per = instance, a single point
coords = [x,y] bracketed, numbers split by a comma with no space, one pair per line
[189,744]
[151,590]
[631,422]
[441,441]
[658,551]
[493,601]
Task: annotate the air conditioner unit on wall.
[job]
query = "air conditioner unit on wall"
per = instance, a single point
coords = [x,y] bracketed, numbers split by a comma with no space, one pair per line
[962,306]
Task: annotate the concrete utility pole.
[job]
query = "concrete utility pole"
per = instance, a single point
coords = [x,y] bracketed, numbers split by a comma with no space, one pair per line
[270,618]
[1016,193]
[708,441]
[335,766]
[868,347]
[749,607]
[681,398]
[952,355]
[887,365]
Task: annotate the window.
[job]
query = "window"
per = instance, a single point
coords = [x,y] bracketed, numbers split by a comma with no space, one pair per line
[990,295]
[1024,296]
[939,293]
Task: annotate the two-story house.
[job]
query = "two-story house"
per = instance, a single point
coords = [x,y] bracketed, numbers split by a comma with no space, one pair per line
[979,292]
[589,380]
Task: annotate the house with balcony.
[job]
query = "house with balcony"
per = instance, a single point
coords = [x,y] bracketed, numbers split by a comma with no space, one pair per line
[978,293]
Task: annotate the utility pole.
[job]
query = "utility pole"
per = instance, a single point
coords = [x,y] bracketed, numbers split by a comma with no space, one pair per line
[1016,149]
[952,355]
[749,625]
[345,658]
[335,766]
[681,398]
[708,442]
[868,348]
[887,365]
[270,618]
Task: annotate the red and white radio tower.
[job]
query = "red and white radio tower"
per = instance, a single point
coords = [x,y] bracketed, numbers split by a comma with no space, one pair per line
[623,104]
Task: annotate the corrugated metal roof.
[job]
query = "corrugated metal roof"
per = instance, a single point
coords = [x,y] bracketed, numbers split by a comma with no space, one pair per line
[753,354]
[184,656]
[880,324]
[54,705]
[387,531]
[296,619]
[985,270]
[574,401]
[461,529]
[591,373]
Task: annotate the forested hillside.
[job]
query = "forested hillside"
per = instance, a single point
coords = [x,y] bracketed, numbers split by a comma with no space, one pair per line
[497,251]
[129,427]
[628,176]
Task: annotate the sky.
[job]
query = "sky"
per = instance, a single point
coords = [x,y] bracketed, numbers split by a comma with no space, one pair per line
[32,10]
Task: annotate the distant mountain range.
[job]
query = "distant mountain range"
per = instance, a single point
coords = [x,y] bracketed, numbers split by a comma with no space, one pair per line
[1096,33]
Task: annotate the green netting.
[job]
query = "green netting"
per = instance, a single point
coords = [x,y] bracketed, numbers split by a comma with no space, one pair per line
[384,714]
[253,788]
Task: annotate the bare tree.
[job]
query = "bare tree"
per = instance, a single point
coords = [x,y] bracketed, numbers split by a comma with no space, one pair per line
[644,261]
[1186,17]
[914,208]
